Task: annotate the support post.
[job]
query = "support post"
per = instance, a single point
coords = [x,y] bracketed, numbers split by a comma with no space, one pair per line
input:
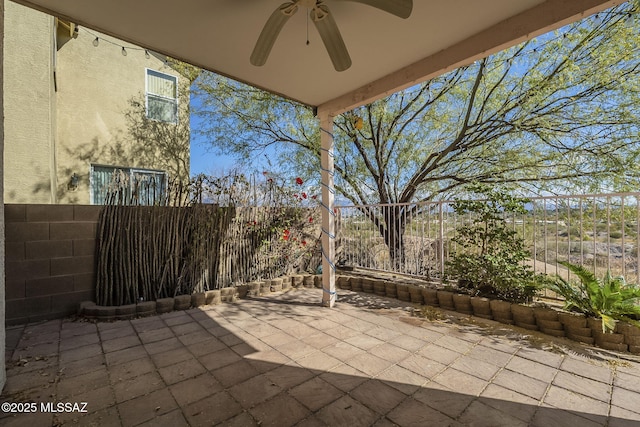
[3,331]
[328,213]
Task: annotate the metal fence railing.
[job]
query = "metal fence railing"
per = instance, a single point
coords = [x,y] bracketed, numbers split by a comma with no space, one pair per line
[598,231]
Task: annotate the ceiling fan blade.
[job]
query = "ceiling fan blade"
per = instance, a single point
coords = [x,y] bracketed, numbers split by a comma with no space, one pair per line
[399,8]
[270,32]
[330,35]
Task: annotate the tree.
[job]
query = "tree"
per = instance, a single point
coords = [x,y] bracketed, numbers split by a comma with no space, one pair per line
[555,113]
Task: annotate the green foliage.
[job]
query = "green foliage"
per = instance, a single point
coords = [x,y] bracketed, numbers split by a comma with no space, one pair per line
[490,258]
[610,298]
[615,234]
[189,71]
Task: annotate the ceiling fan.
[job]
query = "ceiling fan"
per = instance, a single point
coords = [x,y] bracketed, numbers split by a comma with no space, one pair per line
[325,24]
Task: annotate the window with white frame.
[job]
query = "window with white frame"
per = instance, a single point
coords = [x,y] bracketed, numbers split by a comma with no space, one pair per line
[127,186]
[162,96]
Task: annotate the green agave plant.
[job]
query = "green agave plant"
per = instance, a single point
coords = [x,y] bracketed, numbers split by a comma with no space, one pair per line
[610,299]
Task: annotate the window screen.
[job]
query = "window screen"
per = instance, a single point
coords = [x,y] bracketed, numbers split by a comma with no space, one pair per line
[162,97]
[127,186]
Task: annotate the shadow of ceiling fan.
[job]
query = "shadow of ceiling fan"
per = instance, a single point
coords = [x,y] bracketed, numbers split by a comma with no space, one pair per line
[325,24]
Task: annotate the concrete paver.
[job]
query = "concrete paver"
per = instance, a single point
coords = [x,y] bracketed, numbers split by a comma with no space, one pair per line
[510,402]
[284,360]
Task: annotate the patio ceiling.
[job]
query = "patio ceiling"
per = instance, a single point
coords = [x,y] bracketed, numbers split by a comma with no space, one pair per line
[388,53]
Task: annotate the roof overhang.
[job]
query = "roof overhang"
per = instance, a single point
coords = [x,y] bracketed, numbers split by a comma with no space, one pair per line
[388,53]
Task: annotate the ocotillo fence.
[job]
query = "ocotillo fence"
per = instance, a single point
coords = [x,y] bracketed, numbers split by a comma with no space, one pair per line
[155,252]
[151,252]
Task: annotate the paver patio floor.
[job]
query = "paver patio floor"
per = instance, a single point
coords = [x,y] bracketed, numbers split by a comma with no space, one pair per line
[284,360]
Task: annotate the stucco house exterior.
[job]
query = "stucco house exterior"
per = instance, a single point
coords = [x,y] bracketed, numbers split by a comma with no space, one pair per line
[81,105]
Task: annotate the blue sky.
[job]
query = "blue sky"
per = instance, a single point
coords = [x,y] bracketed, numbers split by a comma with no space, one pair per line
[203,158]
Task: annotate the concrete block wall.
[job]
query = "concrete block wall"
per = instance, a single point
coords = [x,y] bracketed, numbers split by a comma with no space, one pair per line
[50,260]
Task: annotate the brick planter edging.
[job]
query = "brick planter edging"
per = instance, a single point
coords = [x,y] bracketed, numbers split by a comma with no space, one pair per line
[89,309]
[547,320]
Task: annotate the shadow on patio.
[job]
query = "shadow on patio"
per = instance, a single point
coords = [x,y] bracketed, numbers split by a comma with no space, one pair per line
[283,360]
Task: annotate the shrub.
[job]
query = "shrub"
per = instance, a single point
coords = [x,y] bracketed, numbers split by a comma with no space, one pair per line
[491,260]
